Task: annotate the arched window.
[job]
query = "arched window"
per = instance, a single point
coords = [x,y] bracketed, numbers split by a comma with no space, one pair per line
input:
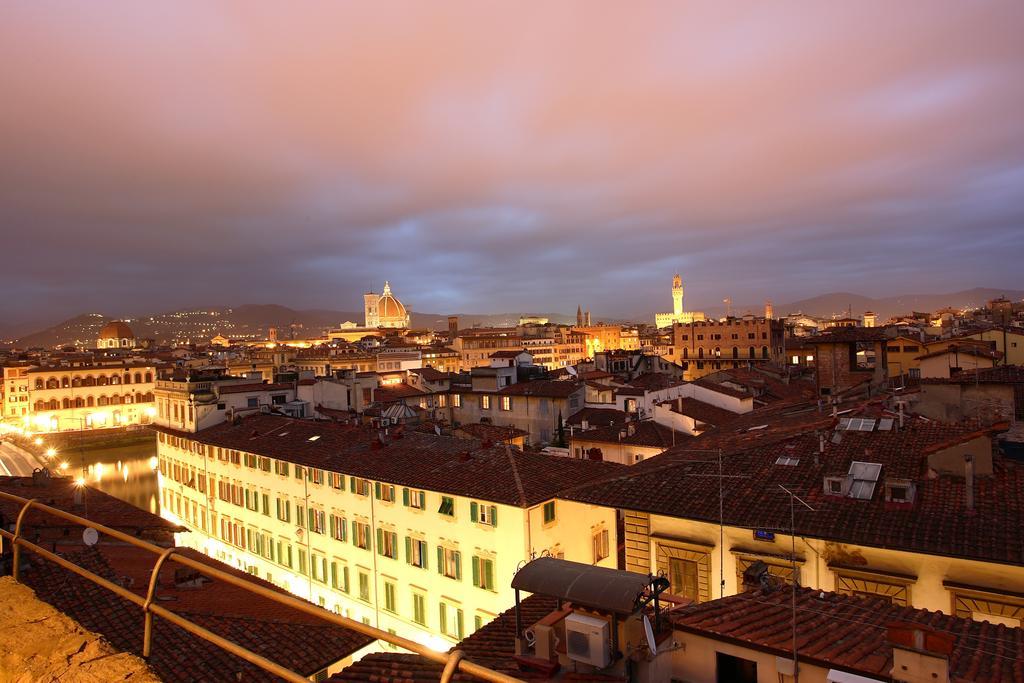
[718,352]
[89,402]
[149,377]
[700,352]
[52,383]
[764,352]
[39,383]
[751,353]
[735,352]
[89,381]
[127,378]
[138,378]
[76,381]
[40,406]
[114,379]
[102,401]
[139,397]
[65,381]
[79,402]
[65,404]
[102,381]
[685,353]
[147,397]
[52,404]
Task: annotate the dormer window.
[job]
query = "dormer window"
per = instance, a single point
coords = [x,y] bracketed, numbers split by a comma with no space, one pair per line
[899,491]
[834,486]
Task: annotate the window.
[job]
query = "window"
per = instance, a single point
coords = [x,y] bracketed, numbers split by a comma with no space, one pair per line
[416,552]
[387,543]
[384,492]
[456,400]
[683,576]
[361,535]
[336,480]
[549,512]
[483,573]
[316,521]
[419,609]
[339,528]
[451,621]
[485,402]
[389,597]
[316,476]
[265,506]
[600,543]
[447,506]
[284,510]
[483,514]
[506,403]
[449,563]
[414,498]
[252,402]
[834,486]
[360,487]
[364,586]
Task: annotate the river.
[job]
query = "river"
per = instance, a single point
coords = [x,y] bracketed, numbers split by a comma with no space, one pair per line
[125,472]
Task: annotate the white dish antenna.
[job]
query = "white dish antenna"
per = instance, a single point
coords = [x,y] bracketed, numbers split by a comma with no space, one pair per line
[649,632]
[90,536]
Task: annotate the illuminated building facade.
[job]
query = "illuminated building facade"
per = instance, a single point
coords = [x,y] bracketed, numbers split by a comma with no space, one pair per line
[384,310]
[678,315]
[116,335]
[703,347]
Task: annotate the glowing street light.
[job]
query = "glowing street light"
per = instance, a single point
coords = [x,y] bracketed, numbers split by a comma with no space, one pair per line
[51,452]
[80,482]
[39,441]
[64,467]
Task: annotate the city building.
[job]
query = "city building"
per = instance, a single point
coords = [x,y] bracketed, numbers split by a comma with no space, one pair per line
[411,532]
[705,346]
[678,315]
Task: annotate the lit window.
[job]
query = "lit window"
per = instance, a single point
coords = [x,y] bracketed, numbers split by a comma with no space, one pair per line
[485,402]
[600,544]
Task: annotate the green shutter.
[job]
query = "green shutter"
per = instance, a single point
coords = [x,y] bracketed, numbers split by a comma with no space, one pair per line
[380,540]
[494,515]
[247,498]
[405,497]
[458,565]
[355,533]
[278,501]
[440,560]
[352,484]
[309,514]
[472,511]
[408,550]
[443,619]
[489,574]
[476,571]
[423,500]
[423,552]
[334,525]
[344,578]
[376,489]
[334,574]
[458,623]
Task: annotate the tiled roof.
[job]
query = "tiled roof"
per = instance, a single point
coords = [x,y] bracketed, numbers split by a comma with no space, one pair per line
[395,392]
[647,433]
[685,485]
[597,417]
[492,646]
[489,432]
[435,463]
[431,375]
[845,335]
[852,633]
[178,655]
[1000,374]
[702,412]
[966,349]
[542,387]
[59,492]
[653,381]
[721,388]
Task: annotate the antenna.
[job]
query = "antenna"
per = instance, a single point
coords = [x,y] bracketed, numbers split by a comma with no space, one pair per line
[793,498]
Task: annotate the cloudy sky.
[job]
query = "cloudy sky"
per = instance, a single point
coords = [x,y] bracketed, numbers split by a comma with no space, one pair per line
[514,156]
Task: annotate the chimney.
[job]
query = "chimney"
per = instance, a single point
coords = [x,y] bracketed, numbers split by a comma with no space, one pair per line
[821,447]
[969,476]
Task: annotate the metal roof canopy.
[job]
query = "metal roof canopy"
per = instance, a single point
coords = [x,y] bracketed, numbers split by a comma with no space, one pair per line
[600,588]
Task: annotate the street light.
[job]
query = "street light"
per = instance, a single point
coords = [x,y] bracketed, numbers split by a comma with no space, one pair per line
[39,441]
[51,452]
[64,466]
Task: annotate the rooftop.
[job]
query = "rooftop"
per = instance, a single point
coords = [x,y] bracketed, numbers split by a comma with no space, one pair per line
[852,633]
[436,463]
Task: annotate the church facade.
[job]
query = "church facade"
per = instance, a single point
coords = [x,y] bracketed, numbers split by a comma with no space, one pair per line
[678,315]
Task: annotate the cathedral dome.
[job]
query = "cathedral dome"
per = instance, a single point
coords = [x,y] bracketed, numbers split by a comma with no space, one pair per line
[116,329]
[390,309]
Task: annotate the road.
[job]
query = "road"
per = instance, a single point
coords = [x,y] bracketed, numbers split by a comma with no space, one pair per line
[15,461]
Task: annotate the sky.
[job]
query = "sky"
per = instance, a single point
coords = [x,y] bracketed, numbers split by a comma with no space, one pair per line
[505,156]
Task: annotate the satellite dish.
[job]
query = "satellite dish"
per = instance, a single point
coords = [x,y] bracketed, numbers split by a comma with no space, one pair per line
[90,536]
[649,632]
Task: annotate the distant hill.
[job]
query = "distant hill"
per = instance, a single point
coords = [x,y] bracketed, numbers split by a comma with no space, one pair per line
[837,303]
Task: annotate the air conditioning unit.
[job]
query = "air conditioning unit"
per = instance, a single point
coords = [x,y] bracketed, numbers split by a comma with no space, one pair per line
[587,640]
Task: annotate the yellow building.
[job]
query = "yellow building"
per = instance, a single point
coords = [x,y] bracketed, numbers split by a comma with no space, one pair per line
[415,533]
[678,315]
[902,356]
[1008,341]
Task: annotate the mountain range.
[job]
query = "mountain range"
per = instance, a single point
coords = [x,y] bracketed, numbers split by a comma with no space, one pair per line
[254,319]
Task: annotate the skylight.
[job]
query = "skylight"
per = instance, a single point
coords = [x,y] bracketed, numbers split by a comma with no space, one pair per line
[865,477]
[314,437]
[787,460]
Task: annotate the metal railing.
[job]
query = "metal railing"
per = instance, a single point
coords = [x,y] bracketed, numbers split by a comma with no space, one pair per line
[451,661]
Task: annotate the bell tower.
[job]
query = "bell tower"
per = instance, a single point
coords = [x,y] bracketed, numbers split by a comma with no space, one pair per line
[677,295]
